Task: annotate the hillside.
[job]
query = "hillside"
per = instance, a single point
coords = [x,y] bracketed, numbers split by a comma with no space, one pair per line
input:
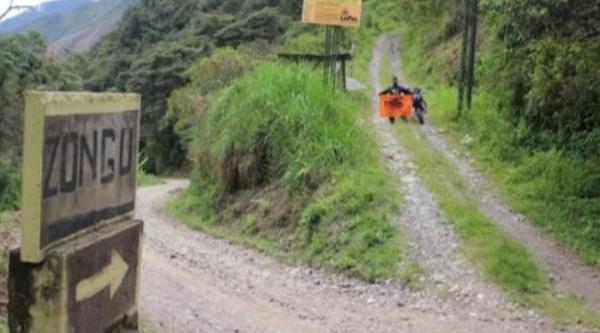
[157,41]
[45,9]
[73,24]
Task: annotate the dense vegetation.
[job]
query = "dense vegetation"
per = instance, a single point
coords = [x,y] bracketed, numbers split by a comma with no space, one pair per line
[535,124]
[291,168]
[157,41]
[24,65]
[149,52]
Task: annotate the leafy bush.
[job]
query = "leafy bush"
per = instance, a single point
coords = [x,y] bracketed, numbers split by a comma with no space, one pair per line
[10,185]
[300,134]
[263,24]
[188,104]
[24,65]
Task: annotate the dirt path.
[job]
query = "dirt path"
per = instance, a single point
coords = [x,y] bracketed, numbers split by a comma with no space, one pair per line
[569,275]
[195,283]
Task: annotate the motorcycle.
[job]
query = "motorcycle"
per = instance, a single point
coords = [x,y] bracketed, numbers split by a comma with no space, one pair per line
[419,105]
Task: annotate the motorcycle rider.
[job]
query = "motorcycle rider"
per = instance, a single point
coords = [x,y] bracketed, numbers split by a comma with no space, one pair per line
[395,89]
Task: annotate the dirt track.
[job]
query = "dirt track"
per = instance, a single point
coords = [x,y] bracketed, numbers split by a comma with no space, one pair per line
[195,283]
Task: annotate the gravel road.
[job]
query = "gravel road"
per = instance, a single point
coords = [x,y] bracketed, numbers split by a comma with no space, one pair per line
[192,282]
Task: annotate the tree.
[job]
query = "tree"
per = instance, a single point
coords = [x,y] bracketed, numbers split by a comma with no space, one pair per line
[24,65]
[11,7]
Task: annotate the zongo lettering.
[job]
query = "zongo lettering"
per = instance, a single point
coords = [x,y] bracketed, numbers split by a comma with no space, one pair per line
[77,157]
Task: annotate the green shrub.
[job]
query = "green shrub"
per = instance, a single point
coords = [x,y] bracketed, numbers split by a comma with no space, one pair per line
[10,185]
[188,104]
[283,115]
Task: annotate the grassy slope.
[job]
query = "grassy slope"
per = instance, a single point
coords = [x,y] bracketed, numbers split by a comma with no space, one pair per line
[328,200]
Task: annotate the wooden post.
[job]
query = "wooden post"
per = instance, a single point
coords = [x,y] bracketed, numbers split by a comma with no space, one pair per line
[326,62]
[344,74]
[463,61]
[472,51]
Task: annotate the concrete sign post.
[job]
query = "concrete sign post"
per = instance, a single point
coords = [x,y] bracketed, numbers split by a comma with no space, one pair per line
[89,285]
[79,165]
[78,266]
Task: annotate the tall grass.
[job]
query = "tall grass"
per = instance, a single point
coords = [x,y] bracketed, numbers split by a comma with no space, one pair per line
[306,127]
[277,130]
[10,185]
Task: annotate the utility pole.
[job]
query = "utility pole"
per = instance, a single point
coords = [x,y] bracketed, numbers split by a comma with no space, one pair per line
[12,7]
[468,54]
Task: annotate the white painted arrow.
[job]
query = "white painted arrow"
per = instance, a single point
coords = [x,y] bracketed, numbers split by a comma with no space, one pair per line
[111,275]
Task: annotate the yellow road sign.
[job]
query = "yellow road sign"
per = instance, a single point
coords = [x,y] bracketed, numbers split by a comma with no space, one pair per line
[344,13]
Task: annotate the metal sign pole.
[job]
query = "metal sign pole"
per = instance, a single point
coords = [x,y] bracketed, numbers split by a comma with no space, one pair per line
[334,54]
[327,54]
[333,40]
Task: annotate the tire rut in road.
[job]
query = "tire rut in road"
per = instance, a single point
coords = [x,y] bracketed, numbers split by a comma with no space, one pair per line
[568,274]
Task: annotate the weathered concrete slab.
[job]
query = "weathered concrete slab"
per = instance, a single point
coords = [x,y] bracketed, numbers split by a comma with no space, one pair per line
[79,165]
[88,285]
